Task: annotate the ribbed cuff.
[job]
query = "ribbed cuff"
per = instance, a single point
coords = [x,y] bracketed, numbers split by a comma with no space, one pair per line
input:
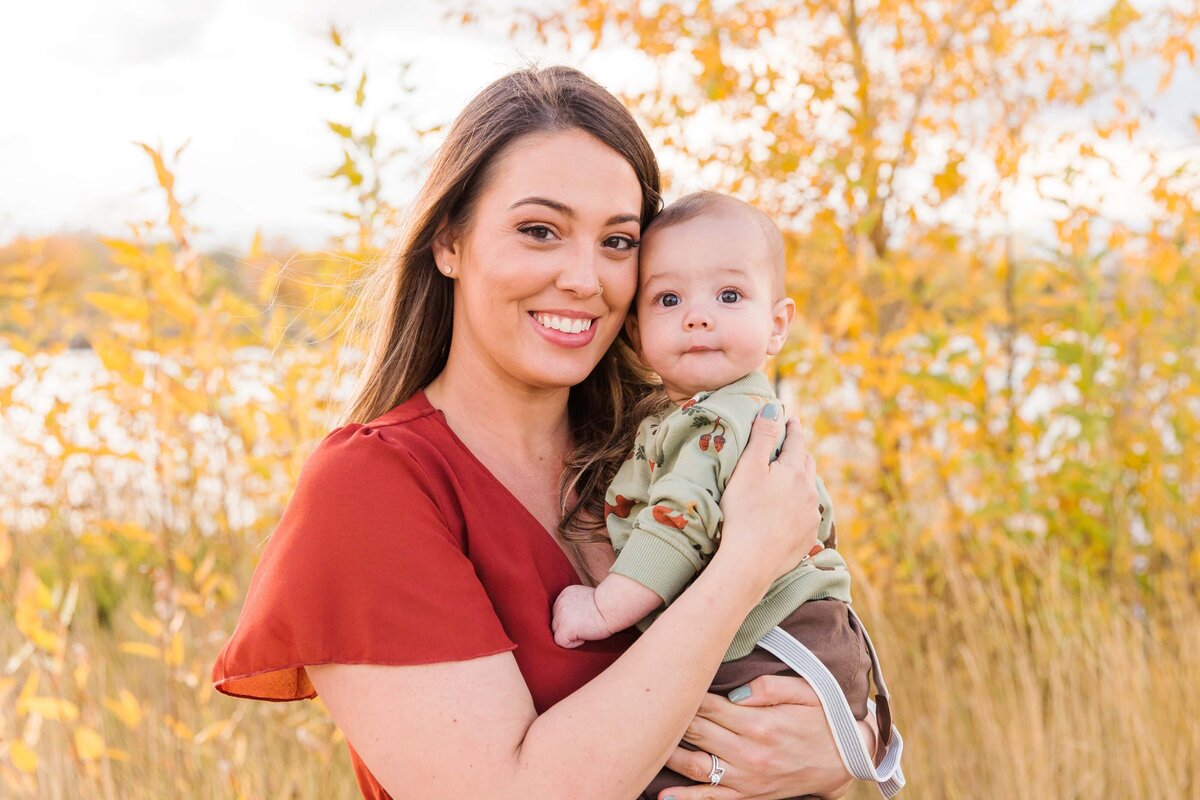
[655,564]
[806,582]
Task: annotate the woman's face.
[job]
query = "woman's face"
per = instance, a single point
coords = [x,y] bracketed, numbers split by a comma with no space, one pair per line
[559,217]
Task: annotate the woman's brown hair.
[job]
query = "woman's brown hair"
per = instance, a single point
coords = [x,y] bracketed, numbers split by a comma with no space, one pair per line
[410,325]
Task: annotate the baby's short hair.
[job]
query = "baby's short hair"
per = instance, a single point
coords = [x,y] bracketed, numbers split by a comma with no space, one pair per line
[698,204]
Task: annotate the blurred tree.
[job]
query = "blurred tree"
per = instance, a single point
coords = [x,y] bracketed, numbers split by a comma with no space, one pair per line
[1008,385]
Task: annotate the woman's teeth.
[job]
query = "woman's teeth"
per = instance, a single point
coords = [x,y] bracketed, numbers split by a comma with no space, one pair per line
[564,324]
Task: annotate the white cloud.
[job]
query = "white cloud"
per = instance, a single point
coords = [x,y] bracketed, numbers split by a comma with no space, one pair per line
[234,78]
[83,80]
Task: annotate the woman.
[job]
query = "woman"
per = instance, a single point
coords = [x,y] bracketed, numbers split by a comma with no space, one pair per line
[411,578]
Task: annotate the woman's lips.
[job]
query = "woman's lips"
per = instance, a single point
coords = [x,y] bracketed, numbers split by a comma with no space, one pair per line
[563,338]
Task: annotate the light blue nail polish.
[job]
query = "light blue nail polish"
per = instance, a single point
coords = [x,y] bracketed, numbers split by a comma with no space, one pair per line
[739,694]
[770,411]
[669,797]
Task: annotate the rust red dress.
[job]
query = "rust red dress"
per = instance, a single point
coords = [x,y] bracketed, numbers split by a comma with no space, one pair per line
[399,547]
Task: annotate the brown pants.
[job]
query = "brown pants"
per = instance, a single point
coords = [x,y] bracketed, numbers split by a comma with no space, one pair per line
[824,627]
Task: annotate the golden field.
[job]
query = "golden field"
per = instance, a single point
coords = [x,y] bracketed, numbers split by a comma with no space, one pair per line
[1009,422]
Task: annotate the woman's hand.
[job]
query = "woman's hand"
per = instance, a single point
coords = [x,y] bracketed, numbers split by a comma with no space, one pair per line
[770,508]
[773,743]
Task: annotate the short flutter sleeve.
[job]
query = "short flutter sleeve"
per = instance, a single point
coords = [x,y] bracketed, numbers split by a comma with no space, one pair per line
[362,569]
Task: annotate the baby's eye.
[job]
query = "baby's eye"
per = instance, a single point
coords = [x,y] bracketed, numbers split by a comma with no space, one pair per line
[669,299]
[621,242]
[540,232]
[729,296]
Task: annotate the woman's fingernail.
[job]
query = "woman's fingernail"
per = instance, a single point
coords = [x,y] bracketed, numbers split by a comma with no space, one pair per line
[770,411]
[669,797]
[739,694]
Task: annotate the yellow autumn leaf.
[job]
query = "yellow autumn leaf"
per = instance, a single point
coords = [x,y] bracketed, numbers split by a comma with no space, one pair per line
[130,531]
[52,708]
[125,253]
[28,689]
[360,94]
[125,307]
[173,296]
[23,757]
[141,649]
[21,344]
[44,640]
[192,601]
[235,306]
[183,562]
[213,730]
[166,179]
[126,708]
[205,568]
[80,674]
[180,729]
[115,357]
[845,316]
[950,179]
[148,625]
[174,654]
[42,594]
[206,589]
[89,744]
[6,546]
[113,754]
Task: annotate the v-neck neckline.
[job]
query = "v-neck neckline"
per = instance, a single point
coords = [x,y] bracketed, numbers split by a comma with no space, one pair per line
[547,537]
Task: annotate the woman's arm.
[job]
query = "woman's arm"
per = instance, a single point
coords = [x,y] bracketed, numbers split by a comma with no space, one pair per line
[469,728]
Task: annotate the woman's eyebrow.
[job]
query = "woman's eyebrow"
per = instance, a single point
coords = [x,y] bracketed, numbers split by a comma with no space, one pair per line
[569,212]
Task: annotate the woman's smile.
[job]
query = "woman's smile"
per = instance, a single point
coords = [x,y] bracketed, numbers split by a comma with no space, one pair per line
[563,327]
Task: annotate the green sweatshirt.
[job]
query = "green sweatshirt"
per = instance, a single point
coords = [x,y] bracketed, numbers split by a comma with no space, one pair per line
[663,515]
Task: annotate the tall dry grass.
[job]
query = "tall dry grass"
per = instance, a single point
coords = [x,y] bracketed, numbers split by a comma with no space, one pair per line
[1063,690]
[163,749]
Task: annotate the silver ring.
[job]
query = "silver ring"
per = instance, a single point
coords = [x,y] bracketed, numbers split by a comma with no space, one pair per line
[718,772]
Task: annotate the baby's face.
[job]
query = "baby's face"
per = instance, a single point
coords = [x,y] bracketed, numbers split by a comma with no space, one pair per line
[707,305]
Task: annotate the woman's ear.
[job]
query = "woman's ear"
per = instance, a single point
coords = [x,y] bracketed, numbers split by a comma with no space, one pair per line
[781,322]
[446,249]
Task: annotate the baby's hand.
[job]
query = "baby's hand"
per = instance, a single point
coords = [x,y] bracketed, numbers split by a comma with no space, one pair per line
[576,618]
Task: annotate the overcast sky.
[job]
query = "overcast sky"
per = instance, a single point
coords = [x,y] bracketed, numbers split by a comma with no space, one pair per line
[83,79]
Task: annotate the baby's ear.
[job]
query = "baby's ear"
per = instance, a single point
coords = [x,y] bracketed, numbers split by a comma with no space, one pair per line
[633,332]
[782,314]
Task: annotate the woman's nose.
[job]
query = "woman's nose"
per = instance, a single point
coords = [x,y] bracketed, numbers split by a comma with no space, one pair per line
[578,274]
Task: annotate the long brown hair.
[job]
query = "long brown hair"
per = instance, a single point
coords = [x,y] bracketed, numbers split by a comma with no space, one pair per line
[408,328]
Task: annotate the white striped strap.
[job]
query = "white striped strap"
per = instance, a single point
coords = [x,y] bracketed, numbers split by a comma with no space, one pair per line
[887,774]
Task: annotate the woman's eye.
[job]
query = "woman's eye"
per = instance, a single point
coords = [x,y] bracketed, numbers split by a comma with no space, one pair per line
[540,232]
[621,242]
[730,296]
[669,299]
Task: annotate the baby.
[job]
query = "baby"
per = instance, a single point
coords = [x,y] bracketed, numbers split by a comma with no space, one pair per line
[711,309]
